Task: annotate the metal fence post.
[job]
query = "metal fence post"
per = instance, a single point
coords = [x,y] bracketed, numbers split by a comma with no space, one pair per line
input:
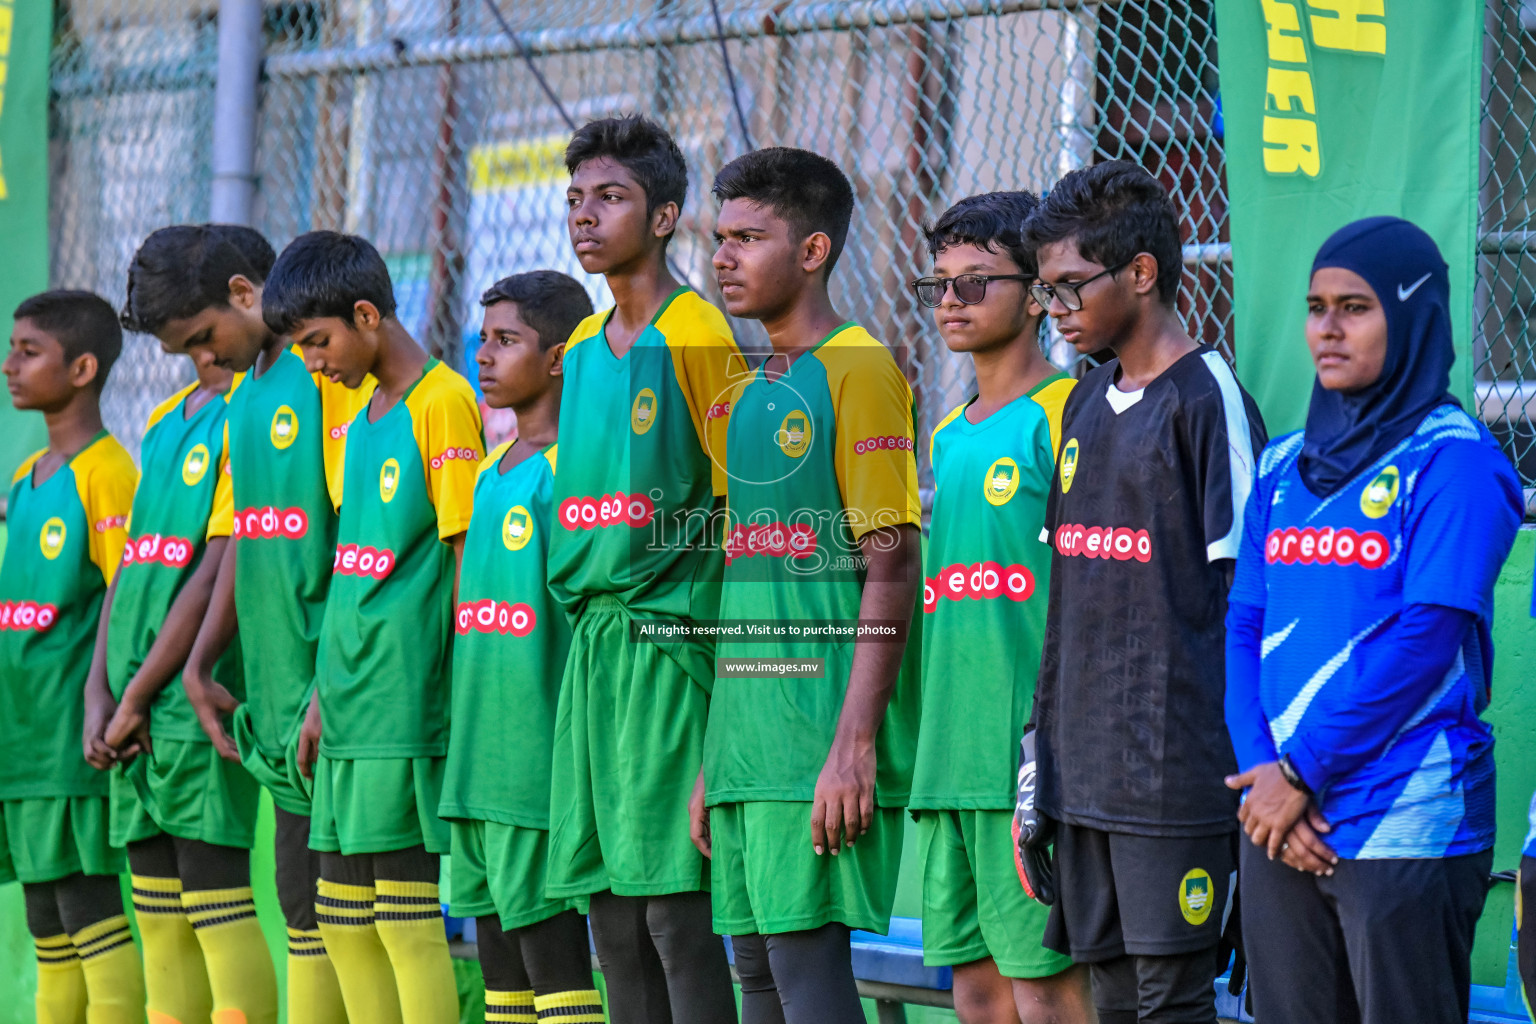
[234,111]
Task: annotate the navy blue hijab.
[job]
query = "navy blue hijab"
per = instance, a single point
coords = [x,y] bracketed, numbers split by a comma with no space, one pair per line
[1347,431]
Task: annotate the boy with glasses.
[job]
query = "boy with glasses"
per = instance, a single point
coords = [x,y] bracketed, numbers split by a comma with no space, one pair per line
[1145,516]
[984,605]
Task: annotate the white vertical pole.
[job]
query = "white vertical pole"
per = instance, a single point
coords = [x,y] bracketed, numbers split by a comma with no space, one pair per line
[234,111]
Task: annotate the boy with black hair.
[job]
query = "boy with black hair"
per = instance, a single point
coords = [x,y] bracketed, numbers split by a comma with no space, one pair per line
[198,288]
[533,950]
[67,521]
[634,499]
[186,815]
[984,598]
[382,669]
[1145,515]
[805,773]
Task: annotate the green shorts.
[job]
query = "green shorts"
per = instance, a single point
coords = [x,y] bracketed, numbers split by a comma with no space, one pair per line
[973,904]
[278,774]
[629,740]
[500,869]
[377,805]
[767,879]
[185,789]
[45,839]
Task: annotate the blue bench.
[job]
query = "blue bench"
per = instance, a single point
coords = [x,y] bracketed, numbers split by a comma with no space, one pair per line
[890,971]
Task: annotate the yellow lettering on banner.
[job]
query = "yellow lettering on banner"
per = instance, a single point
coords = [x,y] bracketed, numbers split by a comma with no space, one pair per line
[1284,85]
[1290,146]
[1345,31]
[7,22]
[1283,32]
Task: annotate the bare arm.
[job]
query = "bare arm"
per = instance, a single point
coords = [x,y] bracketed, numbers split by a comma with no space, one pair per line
[168,653]
[209,699]
[844,804]
[99,704]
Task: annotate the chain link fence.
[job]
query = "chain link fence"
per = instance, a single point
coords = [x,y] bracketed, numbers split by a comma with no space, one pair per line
[423,125]
[1506,271]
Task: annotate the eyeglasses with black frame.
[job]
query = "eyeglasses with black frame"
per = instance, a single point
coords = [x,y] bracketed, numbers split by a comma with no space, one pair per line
[1070,292]
[969,288]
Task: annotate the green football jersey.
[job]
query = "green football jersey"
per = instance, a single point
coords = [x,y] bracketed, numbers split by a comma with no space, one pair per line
[65,537]
[817,458]
[510,650]
[988,577]
[287,431]
[633,501]
[182,462]
[385,646]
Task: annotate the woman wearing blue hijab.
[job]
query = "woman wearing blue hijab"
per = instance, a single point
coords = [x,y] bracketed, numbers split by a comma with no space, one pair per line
[1359,656]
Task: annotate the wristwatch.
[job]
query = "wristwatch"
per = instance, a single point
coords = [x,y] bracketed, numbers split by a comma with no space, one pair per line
[1292,775]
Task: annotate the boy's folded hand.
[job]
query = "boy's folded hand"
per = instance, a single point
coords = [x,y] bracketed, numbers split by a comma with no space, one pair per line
[128,731]
[213,704]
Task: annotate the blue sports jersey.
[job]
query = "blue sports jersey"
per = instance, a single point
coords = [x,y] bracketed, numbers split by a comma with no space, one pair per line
[1428,523]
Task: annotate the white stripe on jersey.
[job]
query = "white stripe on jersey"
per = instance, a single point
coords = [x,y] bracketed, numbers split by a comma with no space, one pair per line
[1282,728]
[1239,451]
[1427,813]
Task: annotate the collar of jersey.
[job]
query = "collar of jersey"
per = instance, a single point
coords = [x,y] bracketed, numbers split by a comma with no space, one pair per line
[762,367]
[602,330]
[1001,414]
[432,363]
[32,473]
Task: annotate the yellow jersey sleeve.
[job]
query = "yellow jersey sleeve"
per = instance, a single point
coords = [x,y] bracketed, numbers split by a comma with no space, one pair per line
[221,519]
[105,478]
[1053,399]
[875,454]
[446,422]
[946,421]
[708,365]
[339,406]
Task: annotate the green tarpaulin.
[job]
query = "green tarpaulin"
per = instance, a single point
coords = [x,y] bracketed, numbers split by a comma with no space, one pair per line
[1336,110]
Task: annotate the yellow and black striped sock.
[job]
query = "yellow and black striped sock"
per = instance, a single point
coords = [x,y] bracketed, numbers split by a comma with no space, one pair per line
[60,983]
[363,970]
[577,1006]
[314,997]
[240,971]
[410,923]
[175,979]
[510,1007]
[114,976]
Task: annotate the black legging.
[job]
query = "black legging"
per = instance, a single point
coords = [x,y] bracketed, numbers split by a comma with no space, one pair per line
[547,956]
[661,960]
[71,904]
[200,866]
[798,977]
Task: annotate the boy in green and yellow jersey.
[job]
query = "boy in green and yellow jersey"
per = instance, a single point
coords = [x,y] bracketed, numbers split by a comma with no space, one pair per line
[186,815]
[198,289]
[508,658]
[988,576]
[382,671]
[631,546]
[67,519]
[808,759]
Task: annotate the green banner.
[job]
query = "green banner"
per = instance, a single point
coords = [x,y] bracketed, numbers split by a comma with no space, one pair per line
[26,28]
[1336,110]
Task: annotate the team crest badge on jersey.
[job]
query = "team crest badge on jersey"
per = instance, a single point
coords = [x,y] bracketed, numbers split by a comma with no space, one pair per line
[642,415]
[517,528]
[794,434]
[285,427]
[1380,493]
[1068,464]
[1002,480]
[1195,896]
[389,480]
[195,465]
[51,539]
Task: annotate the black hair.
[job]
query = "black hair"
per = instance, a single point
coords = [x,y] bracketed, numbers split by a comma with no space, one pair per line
[81,322]
[182,270]
[806,189]
[1112,211]
[550,302]
[643,148]
[325,273]
[990,221]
